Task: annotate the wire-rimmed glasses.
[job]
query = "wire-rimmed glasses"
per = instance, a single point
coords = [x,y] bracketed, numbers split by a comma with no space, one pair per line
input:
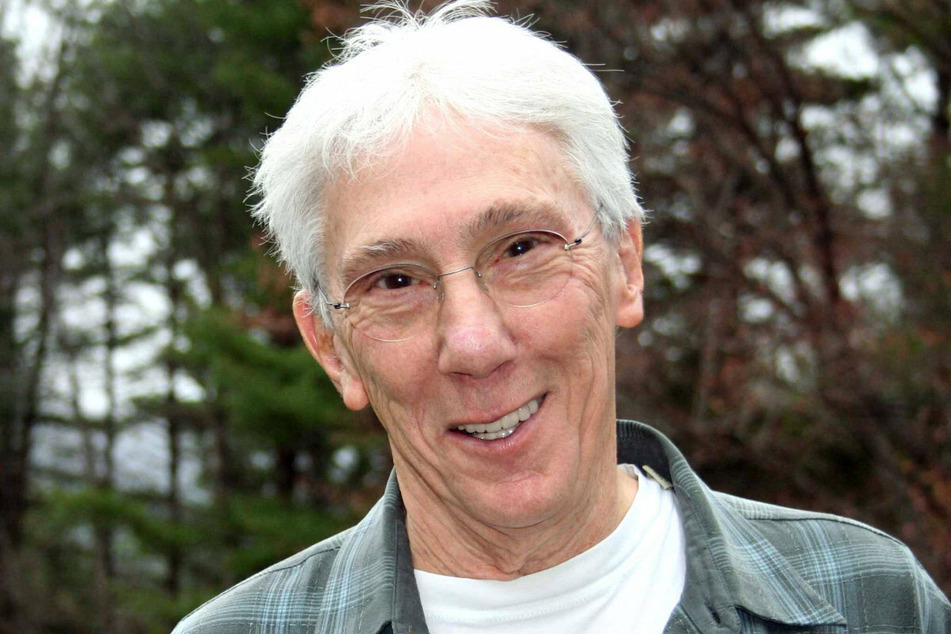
[521,269]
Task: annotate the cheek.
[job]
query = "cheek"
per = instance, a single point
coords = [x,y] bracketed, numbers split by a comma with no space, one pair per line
[396,379]
[591,332]
[576,329]
[596,284]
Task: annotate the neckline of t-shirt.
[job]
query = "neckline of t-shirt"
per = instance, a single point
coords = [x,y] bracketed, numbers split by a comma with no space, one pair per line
[568,584]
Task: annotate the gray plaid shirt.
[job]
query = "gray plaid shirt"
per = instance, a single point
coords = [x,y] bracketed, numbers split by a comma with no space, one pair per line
[751,567]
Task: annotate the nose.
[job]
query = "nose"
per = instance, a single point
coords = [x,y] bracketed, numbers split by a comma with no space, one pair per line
[472,334]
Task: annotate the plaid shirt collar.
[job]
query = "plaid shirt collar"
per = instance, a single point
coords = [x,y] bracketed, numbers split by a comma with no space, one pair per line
[729,564]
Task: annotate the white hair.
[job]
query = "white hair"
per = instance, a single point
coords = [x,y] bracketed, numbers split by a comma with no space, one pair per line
[402,67]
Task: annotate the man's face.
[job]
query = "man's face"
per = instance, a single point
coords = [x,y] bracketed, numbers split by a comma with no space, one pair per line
[452,191]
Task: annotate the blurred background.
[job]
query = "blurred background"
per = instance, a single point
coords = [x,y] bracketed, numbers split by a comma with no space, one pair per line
[164,432]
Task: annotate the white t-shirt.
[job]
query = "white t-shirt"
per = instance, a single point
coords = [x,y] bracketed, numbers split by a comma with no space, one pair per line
[629,582]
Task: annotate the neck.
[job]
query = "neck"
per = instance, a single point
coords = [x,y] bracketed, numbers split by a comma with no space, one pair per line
[444,543]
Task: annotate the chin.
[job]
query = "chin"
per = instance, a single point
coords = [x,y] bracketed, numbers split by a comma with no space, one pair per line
[518,504]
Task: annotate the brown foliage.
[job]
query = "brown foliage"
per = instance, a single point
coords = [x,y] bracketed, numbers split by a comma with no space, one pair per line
[779,383]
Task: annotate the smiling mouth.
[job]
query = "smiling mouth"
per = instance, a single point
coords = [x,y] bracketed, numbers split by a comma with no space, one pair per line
[504,426]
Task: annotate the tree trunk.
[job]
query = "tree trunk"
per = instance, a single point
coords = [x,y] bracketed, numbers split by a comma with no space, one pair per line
[174,290]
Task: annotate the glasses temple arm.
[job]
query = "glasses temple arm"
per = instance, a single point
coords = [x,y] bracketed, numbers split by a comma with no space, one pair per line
[577,241]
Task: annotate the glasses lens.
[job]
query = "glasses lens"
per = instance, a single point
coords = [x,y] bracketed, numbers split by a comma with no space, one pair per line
[525,268]
[519,269]
[387,304]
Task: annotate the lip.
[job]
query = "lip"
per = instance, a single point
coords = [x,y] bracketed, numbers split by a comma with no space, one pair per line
[494,417]
[501,444]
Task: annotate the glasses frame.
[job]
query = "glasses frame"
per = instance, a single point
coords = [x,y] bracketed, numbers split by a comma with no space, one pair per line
[568,246]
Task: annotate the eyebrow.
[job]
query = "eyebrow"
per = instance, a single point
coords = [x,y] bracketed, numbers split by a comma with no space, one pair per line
[358,263]
[540,215]
[498,214]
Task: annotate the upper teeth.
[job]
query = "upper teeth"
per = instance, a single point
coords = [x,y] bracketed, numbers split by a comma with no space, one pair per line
[503,426]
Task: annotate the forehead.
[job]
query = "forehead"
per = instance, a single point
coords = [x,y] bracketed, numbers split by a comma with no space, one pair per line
[450,185]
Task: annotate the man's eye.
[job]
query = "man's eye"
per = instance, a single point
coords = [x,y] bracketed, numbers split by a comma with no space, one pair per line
[519,247]
[394,280]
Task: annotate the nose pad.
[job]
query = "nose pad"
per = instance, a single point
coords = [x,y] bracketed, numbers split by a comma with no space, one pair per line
[481,281]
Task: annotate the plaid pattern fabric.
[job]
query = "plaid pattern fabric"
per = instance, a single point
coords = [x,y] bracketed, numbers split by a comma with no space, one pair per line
[751,568]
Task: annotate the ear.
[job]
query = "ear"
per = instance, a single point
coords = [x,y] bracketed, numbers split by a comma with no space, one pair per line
[630,308]
[330,353]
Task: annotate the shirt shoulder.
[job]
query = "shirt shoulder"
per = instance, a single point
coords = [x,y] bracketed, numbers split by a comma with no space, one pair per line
[872,578]
[351,583]
[281,594]
[795,531]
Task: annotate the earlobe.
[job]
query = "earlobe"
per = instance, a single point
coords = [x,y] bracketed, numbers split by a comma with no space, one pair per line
[329,352]
[630,310]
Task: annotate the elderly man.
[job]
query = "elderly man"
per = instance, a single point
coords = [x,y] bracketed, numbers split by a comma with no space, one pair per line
[454,198]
